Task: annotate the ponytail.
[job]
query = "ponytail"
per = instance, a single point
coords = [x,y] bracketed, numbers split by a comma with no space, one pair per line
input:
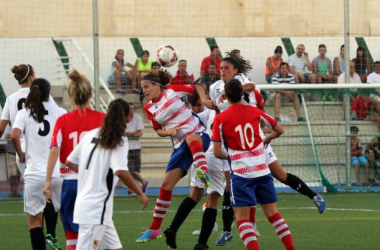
[39,93]
[242,65]
[114,125]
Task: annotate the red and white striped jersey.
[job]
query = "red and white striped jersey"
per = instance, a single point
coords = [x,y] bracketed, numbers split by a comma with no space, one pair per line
[69,130]
[238,128]
[170,111]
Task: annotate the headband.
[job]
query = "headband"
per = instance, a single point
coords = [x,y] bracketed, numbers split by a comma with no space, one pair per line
[27,73]
[151,81]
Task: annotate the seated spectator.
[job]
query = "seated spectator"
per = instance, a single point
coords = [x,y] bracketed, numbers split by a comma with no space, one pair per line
[362,64]
[273,63]
[357,158]
[372,152]
[119,74]
[210,77]
[284,77]
[213,58]
[322,70]
[182,76]
[364,110]
[300,65]
[374,77]
[142,67]
[156,67]
[354,78]
[339,63]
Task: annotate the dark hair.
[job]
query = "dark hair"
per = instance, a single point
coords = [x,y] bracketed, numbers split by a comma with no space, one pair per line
[212,48]
[321,46]
[213,64]
[243,66]
[79,88]
[156,64]
[114,124]
[144,52]
[182,61]
[278,50]
[39,93]
[360,48]
[234,90]
[342,47]
[162,77]
[132,104]
[354,128]
[377,62]
[193,99]
[22,72]
[116,55]
[284,63]
[235,51]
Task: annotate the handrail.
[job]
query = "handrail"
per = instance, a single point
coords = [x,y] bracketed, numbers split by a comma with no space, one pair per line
[318,86]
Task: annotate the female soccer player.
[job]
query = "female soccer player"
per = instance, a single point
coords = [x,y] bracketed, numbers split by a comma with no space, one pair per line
[68,131]
[36,122]
[100,160]
[170,116]
[251,180]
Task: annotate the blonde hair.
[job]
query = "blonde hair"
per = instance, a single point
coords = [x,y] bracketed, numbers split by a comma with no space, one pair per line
[79,88]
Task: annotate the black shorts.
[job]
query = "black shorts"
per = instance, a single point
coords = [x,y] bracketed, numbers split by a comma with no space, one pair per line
[134,160]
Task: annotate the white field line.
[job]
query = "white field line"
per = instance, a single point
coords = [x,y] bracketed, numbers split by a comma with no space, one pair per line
[199,210]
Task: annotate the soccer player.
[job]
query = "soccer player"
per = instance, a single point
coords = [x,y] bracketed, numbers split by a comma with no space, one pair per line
[170,116]
[68,131]
[36,122]
[24,74]
[100,160]
[251,179]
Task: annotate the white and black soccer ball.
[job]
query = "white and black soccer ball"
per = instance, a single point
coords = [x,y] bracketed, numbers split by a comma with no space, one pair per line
[167,56]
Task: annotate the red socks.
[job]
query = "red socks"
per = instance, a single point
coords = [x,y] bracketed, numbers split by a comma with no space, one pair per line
[282,230]
[162,206]
[247,234]
[71,240]
[198,155]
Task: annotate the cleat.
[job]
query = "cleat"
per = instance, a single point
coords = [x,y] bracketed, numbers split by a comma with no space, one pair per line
[201,174]
[199,246]
[52,242]
[255,229]
[170,238]
[320,203]
[145,186]
[214,230]
[223,238]
[148,235]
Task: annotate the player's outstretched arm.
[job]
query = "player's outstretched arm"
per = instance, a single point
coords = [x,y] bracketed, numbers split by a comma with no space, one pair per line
[127,179]
[53,157]
[218,151]
[277,131]
[168,132]
[202,96]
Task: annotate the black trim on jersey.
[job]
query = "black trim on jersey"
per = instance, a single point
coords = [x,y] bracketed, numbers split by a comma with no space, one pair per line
[109,181]
[96,141]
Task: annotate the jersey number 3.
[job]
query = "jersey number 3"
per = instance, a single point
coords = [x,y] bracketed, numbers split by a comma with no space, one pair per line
[243,133]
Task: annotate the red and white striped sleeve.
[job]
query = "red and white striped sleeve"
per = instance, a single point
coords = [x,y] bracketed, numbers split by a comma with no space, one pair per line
[259,99]
[149,115]
[182,89]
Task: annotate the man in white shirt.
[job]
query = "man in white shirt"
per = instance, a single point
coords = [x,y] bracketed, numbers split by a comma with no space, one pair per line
[300,65]
[354,78]
[135,127]
[374,77]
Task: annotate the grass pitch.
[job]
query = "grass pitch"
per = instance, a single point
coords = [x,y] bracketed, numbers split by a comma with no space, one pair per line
[352,221]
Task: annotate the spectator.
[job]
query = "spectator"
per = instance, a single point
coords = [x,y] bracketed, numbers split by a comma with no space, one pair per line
[374,77]
[210,77]
[354,78]
[372,152]
[119,74]
[213,58]
[156,67]
[182,76]
[134,131]
[322,70]
[362,64]
[142,67]
[284,77]
[339,63]
[300,65]
[357,159]
[273,64]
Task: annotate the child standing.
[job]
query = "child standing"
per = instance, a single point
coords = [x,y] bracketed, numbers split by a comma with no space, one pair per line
[357,158]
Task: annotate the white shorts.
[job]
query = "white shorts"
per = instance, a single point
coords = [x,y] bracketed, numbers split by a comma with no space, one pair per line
[270,157]
[217,181]
[34,199]
[21,166]
[98,237]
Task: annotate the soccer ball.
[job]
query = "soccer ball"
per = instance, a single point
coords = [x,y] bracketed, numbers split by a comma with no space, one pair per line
[167,56]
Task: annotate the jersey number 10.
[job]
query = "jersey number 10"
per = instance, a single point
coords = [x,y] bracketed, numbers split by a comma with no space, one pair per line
[244,139]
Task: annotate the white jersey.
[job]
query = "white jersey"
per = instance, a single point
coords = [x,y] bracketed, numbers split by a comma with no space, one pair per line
[96,178]
[170,112]
[38,137]
[217,90]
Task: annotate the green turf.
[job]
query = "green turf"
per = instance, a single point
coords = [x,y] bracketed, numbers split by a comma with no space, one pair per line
[351,222]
